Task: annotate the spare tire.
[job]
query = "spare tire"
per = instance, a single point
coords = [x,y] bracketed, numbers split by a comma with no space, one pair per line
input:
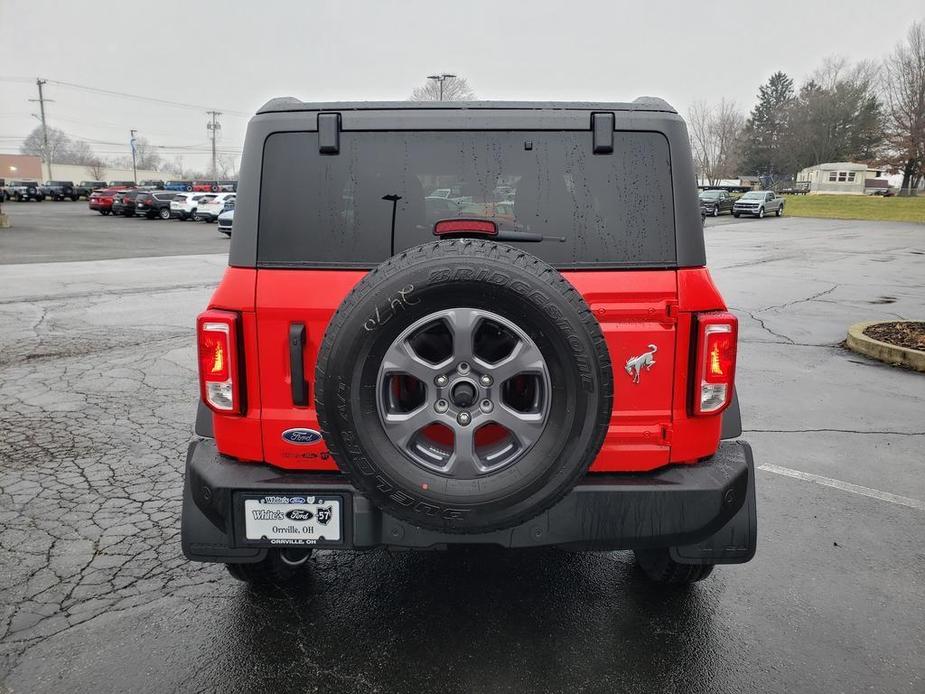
[464,386]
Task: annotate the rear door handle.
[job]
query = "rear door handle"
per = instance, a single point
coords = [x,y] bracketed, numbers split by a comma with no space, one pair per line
[296,368]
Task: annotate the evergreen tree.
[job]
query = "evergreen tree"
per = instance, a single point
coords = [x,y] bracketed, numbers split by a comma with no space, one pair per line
[767,127]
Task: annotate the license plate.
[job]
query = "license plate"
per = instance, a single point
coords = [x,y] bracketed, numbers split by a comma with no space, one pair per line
[292,520]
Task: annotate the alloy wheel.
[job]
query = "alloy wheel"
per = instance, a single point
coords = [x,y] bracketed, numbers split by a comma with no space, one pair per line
[463,392]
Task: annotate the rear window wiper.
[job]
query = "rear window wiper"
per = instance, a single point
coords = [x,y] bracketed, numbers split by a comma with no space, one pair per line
[465,228]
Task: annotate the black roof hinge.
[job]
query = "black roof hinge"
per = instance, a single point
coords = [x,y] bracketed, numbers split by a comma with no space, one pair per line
[329,133]
[602,125]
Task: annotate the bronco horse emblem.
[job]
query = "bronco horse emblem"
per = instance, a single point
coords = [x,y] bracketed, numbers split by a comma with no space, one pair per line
[634,365]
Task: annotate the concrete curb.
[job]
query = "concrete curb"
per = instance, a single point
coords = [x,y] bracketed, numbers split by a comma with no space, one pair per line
[883,351]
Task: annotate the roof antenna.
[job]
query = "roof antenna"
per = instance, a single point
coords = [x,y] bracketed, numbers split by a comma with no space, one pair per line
[394,200]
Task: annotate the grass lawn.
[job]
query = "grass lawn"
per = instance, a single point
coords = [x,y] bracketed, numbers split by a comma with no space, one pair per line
[867,207]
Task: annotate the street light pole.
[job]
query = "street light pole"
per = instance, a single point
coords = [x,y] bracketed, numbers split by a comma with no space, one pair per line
[440,79]
[134,169]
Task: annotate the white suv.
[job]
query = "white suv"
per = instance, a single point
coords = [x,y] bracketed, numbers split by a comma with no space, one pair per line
[184,205]
[210,209]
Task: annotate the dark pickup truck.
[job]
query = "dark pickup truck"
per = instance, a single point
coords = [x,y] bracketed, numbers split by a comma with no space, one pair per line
[714,202]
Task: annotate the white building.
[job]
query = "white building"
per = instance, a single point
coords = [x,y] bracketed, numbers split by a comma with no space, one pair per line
[843,178]
[77,173]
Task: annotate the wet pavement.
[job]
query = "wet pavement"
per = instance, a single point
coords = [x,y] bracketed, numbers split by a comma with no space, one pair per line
[97,396]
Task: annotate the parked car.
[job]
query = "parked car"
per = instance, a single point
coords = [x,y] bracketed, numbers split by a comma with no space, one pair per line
[211,207]
[153,204]
[123,202]
[459,382]
[716,202]
[152,184]
[85,189]
[183,206]
[438,207]
[178,185]
[123,184]
[228,186]
[206,186]
[758,203]
[24,191]
[60,190]
[101,200]
[225,221]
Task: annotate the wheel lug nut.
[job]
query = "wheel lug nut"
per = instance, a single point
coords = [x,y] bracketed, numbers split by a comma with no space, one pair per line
[486,405]
[441,380]
[485,380]
[463,418]
[463,367]
[441,406]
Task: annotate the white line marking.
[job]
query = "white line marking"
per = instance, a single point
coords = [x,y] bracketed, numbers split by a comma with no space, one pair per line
[845,486]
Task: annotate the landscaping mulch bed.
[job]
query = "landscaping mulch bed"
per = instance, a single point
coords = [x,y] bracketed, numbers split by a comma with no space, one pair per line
[908,334]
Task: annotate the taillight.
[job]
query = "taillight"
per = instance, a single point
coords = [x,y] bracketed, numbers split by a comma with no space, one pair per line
[448,227]
[219,377]
[715,363]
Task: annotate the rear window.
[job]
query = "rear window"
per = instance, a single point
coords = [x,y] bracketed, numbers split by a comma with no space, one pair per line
[607,209]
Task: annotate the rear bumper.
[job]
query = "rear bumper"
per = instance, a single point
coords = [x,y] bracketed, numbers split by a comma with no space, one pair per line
[704,512]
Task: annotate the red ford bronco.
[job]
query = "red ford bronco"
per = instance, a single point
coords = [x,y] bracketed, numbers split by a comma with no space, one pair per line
[467,323]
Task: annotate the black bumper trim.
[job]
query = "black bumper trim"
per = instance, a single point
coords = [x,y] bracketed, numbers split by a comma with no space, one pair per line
[705,512]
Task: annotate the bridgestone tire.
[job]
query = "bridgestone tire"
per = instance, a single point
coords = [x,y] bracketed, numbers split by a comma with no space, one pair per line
[484,276]
[659,567]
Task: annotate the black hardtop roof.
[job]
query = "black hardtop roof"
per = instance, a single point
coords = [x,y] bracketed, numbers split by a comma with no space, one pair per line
[289,103]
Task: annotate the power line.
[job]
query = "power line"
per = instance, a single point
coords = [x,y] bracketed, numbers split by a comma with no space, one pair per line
[151,99]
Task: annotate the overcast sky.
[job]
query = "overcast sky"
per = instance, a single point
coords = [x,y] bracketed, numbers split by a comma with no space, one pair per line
[235,56]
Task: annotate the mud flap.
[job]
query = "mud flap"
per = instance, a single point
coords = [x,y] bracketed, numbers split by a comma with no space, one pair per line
[203,541]
[735,542]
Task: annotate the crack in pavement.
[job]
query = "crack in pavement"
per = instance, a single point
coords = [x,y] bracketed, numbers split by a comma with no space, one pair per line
[799,301]
[108,292]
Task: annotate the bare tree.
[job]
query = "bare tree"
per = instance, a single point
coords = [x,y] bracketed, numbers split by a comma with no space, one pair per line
[97,168]
[146,156]
[226,167]
[836,116]
[716,136]
[175,167]
[80,153]
[905,100]
[59,145]
[454,89]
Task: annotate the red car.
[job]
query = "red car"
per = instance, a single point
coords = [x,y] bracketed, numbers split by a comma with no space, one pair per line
[206,186]
[101,200]
[559,375]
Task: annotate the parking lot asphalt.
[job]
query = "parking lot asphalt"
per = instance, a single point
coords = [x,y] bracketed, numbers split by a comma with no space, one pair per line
[62,231]
[97,396]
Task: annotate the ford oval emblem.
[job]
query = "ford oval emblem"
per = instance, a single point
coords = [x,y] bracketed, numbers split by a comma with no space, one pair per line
[300,514]
[302,437]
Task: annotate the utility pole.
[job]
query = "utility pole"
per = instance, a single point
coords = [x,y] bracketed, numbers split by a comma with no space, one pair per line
[440,79]
[39,82]
[213,128]
[134,168]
